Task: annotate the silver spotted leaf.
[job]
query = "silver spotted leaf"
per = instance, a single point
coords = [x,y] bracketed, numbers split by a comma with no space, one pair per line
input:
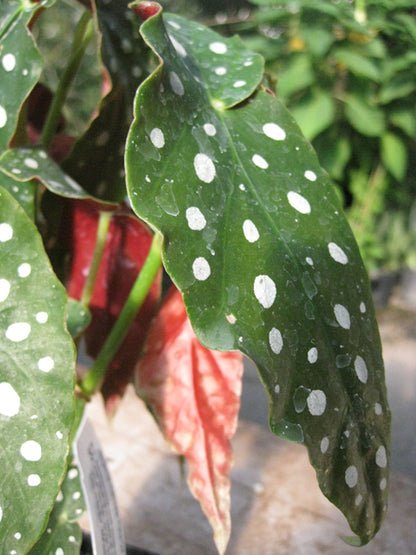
[97,160]
[62,533]
[255,239]
[20,63]
[25,164]
[37,375]
[23,192]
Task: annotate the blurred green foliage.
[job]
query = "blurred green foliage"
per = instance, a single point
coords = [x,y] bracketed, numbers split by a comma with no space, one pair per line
[347,72]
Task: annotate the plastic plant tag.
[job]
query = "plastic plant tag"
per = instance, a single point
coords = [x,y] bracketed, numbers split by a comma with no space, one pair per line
[106,529]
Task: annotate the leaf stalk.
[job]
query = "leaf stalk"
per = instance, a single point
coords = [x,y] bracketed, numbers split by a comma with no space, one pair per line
[138,293]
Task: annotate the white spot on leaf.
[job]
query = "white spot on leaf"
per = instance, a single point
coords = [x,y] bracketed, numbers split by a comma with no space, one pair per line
[250,231]
[18,332]
[204,168]
[260,162]
[3,117]
[201,268]
[210,129]
[9,400]
[6,232]
[381,457]
[46,364]
[31,450]
[274,131]
[157,137]
[324,445]
[265,290]
[337,253]
[310,175]
[178,46]
[31,163]
[24,270]
[343,316]
[316,402]
[239,84]
[313,355]
[218,47]
[351,476]
[220,70]
[360,368]
[9,62]
[276,342]
[41,317]
[33,480]
[298,202]
[176,84]
[4,289]
[196,220]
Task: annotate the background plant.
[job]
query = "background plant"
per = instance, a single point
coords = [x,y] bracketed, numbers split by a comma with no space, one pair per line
[347,72]
[225,189]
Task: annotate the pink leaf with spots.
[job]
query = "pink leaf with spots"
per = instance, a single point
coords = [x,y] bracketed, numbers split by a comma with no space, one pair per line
[194,394]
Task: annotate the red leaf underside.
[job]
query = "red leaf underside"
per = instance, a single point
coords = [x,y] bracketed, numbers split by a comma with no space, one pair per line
[127,245]
[194,394]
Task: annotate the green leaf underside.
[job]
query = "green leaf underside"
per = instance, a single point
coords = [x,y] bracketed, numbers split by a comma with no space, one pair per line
[37,370]
[255,240]
[62,531]
[24,164]
[20,65]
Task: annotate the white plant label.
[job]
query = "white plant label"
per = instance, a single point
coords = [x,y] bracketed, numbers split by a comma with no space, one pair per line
[106,530]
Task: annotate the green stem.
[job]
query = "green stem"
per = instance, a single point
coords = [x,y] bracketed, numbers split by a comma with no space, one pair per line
[102,230]
[138,293]
[83,34]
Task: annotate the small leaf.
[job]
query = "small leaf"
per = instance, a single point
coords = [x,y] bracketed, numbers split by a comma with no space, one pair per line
[314,113]
[63,534]
[194,394]
[394,155]
[24,164]
[127,245]
[255,239]
[37,374]
[365,118]
[297,76]
[359,65]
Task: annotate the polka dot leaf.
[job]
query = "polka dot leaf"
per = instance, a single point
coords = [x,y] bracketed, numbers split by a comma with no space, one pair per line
[37,374]
[20,64]
[62,531]
[256,241]
[25,164]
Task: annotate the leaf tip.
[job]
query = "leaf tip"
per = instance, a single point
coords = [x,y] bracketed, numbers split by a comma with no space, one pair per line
[145,10]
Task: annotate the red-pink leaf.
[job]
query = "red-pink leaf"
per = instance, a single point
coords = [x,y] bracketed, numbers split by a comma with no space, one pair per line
[127,245]
[194,394]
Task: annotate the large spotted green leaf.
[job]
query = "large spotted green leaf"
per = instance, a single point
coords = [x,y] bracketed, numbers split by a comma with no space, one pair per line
[255,239]
[20,63]
[37,374]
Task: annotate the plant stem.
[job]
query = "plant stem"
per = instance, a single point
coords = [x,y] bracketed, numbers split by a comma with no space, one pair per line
[137,295]
[102,230]
[83,34]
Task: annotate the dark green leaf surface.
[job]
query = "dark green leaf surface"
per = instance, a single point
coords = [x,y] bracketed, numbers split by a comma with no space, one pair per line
[20,64]
[97,161]
[24,164]
[78,318]
[63,534]
[37,371]
[255,240]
